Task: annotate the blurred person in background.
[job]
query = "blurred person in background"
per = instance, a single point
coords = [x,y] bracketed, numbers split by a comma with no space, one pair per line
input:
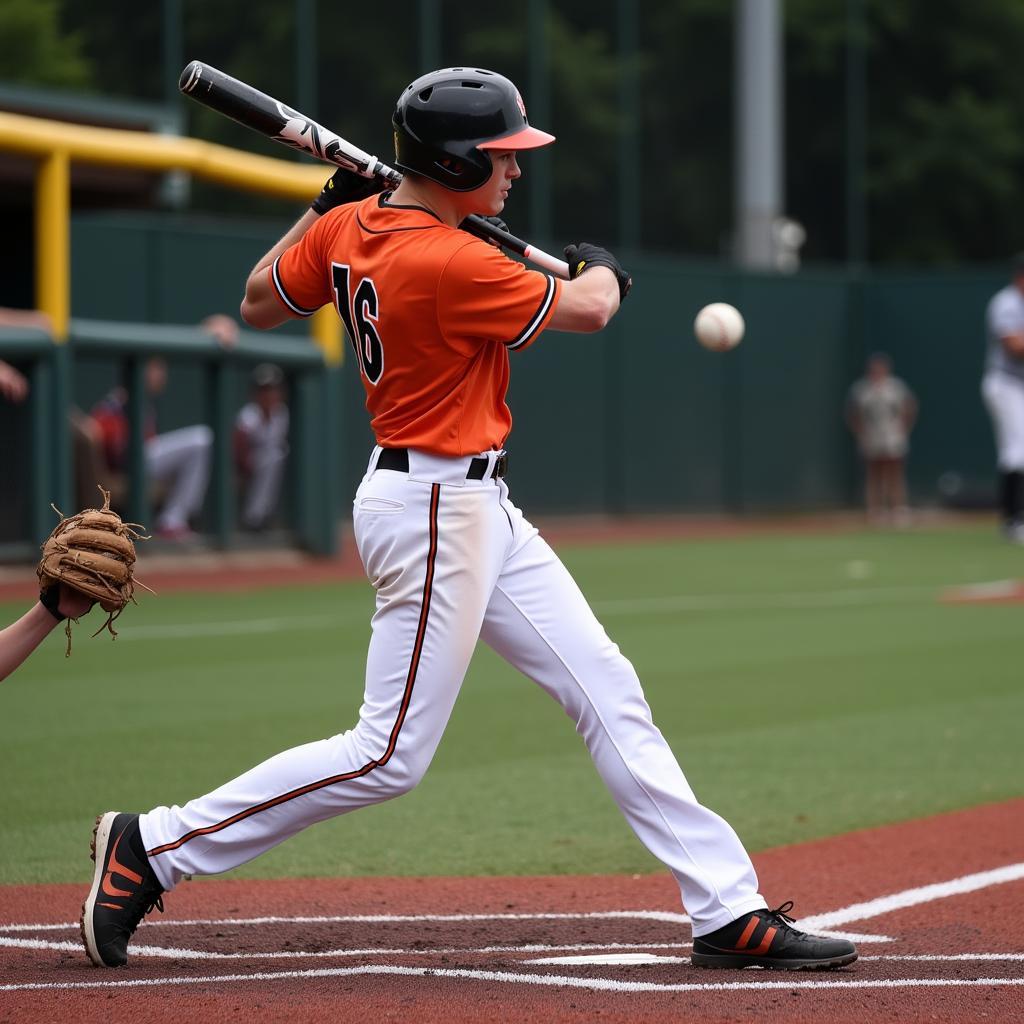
[178,461]
[86,443]
[261,446]
[13,383]
[1002,388]
[880,411]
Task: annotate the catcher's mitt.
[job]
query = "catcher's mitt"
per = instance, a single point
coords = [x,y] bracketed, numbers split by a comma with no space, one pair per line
[93,552]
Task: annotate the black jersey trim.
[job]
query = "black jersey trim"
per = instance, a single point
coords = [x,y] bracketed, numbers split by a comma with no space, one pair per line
[538,317]
[388,231]
[285,297]
[383,204]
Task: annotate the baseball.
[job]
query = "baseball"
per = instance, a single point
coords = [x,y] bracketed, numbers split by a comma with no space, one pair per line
[719,327]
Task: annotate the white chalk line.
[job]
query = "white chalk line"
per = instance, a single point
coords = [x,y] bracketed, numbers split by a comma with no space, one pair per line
[817,922]
[657,915]
[625,607]
[855,912]
[609,915]
[914,897]
[179,953]
[594,984]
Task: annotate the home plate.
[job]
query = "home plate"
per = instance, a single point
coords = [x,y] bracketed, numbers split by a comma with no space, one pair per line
[610,958]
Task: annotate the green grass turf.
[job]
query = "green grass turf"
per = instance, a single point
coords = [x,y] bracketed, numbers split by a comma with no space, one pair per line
[809,685]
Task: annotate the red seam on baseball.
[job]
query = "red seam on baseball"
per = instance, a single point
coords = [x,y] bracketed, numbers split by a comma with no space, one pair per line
[724,339]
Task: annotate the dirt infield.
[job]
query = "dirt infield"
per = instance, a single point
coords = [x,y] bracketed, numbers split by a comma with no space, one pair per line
[935,907]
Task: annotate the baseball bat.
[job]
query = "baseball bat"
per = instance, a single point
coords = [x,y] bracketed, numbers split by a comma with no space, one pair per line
[281,123]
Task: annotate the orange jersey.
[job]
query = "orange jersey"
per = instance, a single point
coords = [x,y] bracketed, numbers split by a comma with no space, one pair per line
[432,313]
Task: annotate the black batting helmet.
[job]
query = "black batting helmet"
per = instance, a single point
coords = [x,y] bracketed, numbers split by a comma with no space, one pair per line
[446,121]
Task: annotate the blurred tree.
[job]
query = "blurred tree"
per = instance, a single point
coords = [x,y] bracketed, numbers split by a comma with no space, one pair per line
[686,131]
[585,117]
[35,50]
[122,39]
[945,151]
[945,85]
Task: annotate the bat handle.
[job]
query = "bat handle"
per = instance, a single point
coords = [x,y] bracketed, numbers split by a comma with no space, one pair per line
[547,262]
[485,229]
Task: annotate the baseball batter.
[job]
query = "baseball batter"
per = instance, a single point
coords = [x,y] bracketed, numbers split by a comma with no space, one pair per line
[1002,388]
[434,315]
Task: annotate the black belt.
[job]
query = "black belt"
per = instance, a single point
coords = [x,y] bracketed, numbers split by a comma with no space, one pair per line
[398,460]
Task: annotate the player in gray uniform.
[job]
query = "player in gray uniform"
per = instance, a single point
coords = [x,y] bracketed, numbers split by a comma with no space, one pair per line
[261,445]
[1002,388]
[881,410]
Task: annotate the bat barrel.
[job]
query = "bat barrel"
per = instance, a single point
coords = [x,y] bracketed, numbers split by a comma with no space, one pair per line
[234,99]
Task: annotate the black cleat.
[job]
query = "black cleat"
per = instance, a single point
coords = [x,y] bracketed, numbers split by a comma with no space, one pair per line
[124,889]
[766,938]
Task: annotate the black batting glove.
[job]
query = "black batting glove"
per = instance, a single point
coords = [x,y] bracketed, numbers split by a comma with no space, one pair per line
[467,225]
[345,187]
[583,255]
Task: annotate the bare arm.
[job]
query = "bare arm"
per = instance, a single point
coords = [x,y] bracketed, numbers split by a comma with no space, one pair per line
[25,318]
[13,383]
[1014,344]
[23,636]
[587,303]
[260,307]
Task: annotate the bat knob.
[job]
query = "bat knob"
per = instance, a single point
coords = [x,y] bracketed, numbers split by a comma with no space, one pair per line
[190,76]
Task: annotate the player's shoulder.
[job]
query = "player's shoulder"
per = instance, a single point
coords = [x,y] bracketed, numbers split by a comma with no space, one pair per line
[1007,299]
[472,257]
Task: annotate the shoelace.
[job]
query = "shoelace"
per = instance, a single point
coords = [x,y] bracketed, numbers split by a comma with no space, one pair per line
[141,903]
[781,913]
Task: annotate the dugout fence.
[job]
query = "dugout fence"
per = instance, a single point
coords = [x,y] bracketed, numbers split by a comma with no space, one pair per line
[38,471]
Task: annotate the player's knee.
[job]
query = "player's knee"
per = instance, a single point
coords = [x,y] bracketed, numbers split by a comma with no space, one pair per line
[399,776]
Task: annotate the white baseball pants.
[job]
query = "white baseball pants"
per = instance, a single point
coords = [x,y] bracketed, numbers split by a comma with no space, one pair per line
[1004,398]
[179,461]
[453,560]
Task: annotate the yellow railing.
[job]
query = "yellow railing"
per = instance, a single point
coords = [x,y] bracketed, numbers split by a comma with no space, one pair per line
[57,145]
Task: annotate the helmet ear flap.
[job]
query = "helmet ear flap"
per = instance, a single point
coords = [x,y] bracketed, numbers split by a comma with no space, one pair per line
[461,172]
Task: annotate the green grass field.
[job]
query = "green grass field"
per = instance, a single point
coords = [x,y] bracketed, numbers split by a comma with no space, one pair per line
[809,685]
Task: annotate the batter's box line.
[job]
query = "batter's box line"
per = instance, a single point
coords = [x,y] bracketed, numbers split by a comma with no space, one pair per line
[564,981]
[415,919]
[819,923]
[179,953]
[666,916]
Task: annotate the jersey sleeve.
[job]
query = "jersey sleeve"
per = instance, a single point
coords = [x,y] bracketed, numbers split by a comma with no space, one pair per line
[299,277]
[484,295]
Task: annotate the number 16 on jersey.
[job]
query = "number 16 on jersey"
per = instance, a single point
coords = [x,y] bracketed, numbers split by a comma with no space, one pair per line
[358,310]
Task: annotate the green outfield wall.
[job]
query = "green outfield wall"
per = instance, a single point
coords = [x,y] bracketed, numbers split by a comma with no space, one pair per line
[637,418]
